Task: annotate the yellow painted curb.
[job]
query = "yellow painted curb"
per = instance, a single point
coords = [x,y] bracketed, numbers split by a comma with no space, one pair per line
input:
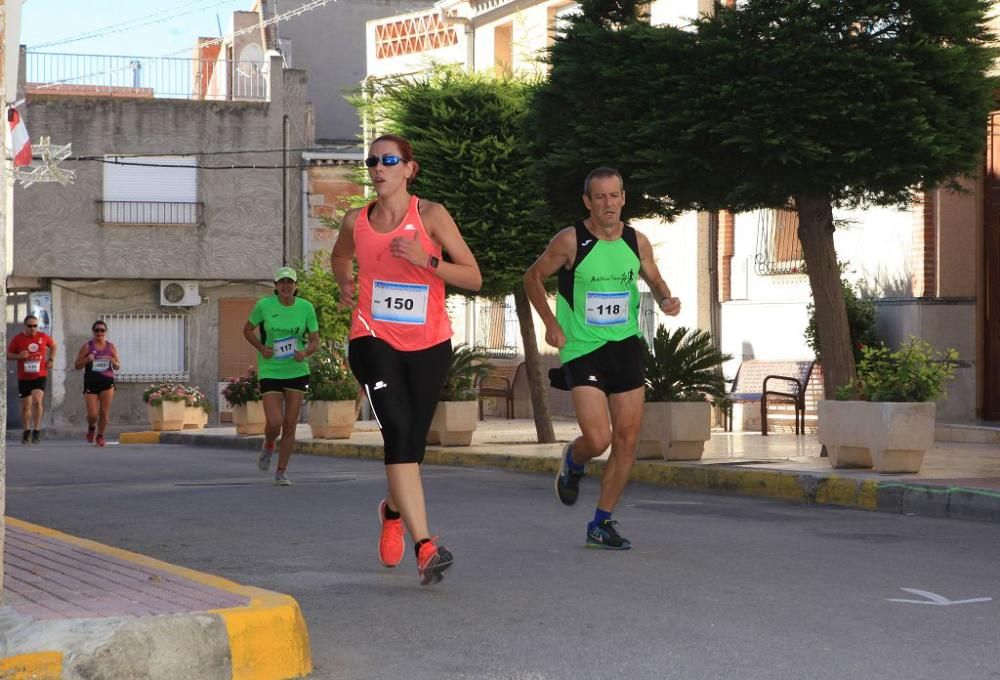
[34,666]
[139,438]
[268,639]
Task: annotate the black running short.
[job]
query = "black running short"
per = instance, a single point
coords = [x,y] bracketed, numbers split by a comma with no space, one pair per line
[95,383]
[26,387]
[299,384]
[614,367]
[403,389]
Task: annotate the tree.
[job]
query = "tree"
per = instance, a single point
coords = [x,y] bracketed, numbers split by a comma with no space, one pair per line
[468,136]
[317,285]
[814,103]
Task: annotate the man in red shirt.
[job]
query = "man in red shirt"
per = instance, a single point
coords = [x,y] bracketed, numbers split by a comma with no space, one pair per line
[34,352]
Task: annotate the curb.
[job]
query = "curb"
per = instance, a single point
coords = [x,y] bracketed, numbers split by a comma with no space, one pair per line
[875,495]
[139,438]
[265,640]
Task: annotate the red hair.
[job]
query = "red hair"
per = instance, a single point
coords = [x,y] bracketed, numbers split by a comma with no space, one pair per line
[405,152]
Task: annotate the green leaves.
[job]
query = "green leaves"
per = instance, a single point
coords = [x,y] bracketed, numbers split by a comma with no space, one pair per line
[329,377]
[469,138]
[467,367]
[684,365]
[858,100]
[915,372]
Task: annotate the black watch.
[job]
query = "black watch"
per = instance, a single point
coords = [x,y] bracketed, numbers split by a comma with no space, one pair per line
[433,262]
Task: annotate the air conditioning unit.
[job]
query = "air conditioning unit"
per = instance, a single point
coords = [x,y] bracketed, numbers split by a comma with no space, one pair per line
[179,294]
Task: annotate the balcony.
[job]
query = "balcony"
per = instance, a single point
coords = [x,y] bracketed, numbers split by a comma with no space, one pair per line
[149,213]
[95,75]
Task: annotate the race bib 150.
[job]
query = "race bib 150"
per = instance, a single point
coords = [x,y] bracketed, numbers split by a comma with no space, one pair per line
[400,302]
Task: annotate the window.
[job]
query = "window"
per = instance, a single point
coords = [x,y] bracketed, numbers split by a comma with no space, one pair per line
[498,328]
[151,346]
[150,190]
[778,248]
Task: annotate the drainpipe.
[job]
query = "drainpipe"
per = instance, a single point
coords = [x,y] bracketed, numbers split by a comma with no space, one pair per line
[470,40]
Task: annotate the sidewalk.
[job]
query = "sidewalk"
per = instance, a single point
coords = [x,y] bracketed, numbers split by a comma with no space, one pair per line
[74,608]
[958,480]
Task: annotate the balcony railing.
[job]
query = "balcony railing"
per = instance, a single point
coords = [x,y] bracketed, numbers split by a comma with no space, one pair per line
[145,77]
[149,213]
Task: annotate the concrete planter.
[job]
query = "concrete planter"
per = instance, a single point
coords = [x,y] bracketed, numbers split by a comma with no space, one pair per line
[194,418]
[332,419]
[167,416]
[453,423]
[249,418]
[675,430]
[888,436]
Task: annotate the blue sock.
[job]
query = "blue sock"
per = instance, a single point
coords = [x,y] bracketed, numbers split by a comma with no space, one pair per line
[574,466]
[600,516]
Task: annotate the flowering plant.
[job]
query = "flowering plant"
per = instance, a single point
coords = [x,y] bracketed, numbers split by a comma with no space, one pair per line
[243,389]
[196,397]
[157,393]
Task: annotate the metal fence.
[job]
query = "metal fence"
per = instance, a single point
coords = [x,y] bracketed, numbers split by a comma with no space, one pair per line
[149,213]
[145,77]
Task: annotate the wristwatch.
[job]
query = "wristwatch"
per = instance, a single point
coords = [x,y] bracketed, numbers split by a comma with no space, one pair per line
[433,262]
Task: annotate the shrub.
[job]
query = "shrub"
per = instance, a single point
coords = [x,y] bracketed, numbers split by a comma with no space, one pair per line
[860,322]
[467,367]
[684,365]
[329,378]
[915,372]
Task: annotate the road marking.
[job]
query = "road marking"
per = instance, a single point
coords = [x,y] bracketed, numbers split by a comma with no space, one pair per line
[935,599]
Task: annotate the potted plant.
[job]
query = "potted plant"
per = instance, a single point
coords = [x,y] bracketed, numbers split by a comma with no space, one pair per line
[165,405]
[682,374]
[243,393]
[195,413]
[455,417]
[885,418]
[332,396]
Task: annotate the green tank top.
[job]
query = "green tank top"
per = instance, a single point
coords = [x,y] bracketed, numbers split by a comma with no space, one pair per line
[598,298]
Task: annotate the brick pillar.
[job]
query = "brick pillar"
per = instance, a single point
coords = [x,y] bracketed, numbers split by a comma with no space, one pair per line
[923,254]
[727,230]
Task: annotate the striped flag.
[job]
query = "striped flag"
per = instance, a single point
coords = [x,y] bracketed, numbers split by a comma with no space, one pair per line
[20,143]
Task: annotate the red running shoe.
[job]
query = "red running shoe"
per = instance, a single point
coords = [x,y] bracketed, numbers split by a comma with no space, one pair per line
[100,440]
[391,538]
[90,434]
[432,562]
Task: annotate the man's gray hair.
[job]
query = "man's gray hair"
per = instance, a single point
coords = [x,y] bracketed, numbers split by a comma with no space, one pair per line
[598,173]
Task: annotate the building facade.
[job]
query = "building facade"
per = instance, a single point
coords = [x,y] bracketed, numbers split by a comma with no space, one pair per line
[180,212]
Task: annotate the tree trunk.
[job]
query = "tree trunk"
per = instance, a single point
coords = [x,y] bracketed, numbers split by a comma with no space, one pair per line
[816,234]
[533,367]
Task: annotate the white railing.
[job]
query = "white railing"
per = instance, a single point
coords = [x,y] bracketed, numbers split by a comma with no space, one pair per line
[145,77]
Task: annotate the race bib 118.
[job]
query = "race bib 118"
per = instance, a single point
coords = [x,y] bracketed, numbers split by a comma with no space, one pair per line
[607,309]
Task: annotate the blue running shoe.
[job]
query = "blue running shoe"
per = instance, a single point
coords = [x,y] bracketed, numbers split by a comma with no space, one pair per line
[568,479]
[605,535]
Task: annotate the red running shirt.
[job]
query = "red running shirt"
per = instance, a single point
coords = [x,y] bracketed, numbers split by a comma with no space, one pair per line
[37,346]
[398,302]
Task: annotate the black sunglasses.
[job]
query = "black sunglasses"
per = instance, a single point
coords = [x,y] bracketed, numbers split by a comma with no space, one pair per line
[31,325]
[100,330]
[388,160]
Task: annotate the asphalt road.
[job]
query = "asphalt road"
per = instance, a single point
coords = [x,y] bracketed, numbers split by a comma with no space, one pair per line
[715,587]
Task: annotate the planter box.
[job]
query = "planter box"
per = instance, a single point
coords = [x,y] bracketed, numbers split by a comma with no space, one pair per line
[453,423]
[249,418]
[674,430]
[889,436]
[332,419]
[194,418]
[168,416]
